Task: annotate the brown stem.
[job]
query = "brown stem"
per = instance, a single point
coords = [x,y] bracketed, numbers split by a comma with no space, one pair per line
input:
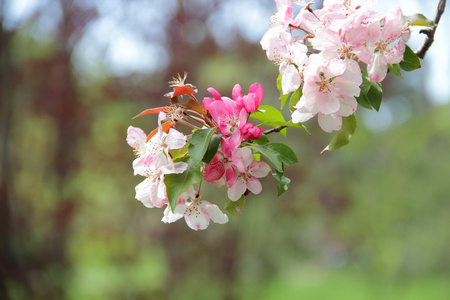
[429,32]
[276,129]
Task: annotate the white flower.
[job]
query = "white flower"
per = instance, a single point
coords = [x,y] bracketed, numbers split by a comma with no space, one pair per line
[152,191]
[195,211]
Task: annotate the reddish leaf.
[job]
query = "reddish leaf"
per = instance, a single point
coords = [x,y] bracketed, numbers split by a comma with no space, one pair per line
[154,111]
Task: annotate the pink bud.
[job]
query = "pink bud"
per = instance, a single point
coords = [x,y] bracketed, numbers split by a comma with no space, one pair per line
[251,132]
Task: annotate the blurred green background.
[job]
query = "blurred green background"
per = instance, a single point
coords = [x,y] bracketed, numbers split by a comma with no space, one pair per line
[370,221]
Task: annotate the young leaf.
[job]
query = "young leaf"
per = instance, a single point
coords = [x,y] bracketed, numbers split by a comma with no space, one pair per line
[395,69]
[344,135]
[418,20]
[283,98]
[235,207]
[176,184]
[198,143]
[212,148]
[295,97]
[410,60]
[266,113]
[283,183]
[277,154]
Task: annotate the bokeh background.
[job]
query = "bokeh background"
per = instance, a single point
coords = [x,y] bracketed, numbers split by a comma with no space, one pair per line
[370,221]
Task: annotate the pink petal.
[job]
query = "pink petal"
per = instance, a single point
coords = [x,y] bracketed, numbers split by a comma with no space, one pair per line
[259,169]
[254,185]
[237,190]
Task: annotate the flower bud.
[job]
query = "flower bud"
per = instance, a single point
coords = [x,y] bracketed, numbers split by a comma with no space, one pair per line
[251,132]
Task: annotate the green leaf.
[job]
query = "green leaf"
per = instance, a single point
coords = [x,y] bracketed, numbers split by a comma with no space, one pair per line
[212,148]
[363,101]
[277,154]
[418,20]
[176,184]
[288,124]
[262,140]
[266,113]
[295,97]
[283,183]
[198,143]
[235,207]
[410,60]
[375,95]
[395,69]
[364,87]
[178,153]
[283,98]
[344,135]
[371,93]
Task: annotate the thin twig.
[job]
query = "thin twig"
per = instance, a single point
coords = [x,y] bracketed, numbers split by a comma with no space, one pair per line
[276,129]
[429,32]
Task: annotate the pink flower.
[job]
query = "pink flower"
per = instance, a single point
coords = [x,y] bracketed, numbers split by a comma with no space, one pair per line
[379,53]
[330,89]
[196,212]
[284,14]
[327,81]
[249,172]
[215,170]
[251,132]
[289,52]
[250,101]
[207,100]
[229,117]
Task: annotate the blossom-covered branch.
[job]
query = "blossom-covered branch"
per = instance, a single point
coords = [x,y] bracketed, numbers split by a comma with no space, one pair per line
[331,61]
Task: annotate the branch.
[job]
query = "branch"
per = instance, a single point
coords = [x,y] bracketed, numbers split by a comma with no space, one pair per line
[276,129]
[429,32]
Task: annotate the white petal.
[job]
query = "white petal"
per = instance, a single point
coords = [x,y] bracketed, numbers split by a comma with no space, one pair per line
[175,139]
[196,219]
[301,114]
[214,212]
[136,138]
[174,168]
[329,123]
[145,192]
[291,79]
[170,217]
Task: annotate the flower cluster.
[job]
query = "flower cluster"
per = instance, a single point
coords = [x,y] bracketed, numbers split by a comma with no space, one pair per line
[320,54]
[167,151]
[319,51]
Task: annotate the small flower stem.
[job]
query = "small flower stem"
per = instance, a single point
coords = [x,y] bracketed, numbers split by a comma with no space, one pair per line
[188,124]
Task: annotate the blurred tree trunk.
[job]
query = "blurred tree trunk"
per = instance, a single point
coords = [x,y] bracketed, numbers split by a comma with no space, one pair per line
[43,273]
[10,268]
